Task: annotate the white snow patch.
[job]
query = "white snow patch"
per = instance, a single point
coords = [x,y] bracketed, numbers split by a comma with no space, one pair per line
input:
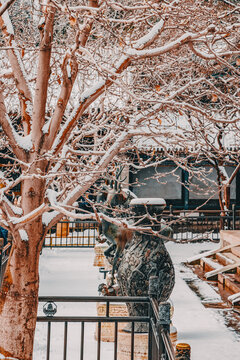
[234,298]
[8,358]
[45,127]
[8,23]
[201,327]
[148,201]
[69,74]
[23,235]
[15,220]
[152,33]
[47,217]
[212,263]
[129,193]
[52,196]
[17,210]
[24,142]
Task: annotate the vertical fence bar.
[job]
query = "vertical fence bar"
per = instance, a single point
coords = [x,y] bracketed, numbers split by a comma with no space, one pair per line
[132,342]
[233,216]
[107,309]
[99,342]
[205,220]
[82,341]
[79,239]
[160,354]
[71,230]
[150,342]
[61,234]
[65,340]
[115,340]
[83,235]
[48,340]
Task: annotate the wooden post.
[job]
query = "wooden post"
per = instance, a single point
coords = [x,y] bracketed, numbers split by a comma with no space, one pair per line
[185,189]
[183,351]
[62,229]
[227,196]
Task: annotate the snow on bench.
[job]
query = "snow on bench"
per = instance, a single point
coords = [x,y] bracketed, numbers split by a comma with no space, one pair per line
[221,270]
[211,263]
[196,258]
[225,258]
[234,298]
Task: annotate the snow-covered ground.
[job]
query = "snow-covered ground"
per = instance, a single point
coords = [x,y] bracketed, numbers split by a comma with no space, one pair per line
[71,272]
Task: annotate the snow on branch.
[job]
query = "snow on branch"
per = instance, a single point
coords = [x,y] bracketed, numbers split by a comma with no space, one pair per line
[30,216]
[18,69]
[6,74]
[15,57]
[17,142]
[14,210]
[183,39]
[43,74]
[210,56]
[87,181]
[5,6]
[70,71]
[150,37]
[90,95]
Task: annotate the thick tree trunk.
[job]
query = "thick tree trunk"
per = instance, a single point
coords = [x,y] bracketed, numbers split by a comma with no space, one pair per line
[19,301]
[19,292]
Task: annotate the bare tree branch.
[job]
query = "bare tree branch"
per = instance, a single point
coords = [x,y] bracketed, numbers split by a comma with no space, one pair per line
[5,6]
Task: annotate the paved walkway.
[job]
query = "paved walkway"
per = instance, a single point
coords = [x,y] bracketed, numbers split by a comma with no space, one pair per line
[71,272]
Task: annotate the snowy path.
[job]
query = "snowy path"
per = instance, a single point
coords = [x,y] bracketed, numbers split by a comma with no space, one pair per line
[71,272]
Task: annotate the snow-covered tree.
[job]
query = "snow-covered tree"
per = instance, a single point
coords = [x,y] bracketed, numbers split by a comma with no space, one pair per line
[80,82]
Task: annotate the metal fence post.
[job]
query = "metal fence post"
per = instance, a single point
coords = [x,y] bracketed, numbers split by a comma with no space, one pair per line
[221,221]
[233,216]
[164,327]
[153,353]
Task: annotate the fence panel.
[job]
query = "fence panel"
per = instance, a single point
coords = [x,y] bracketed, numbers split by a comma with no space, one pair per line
[202,227]
[157,338]
[72,234]
[185,228]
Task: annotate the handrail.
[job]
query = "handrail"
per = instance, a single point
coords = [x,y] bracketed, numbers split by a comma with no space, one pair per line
[93,319]
[141,299]
[168,344]
[163,331]
[160,333]
[6,247]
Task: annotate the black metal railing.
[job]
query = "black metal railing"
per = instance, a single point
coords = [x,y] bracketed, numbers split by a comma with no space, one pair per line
[72,234]
[186,226]
[158,339]
[4,255]
[190,227]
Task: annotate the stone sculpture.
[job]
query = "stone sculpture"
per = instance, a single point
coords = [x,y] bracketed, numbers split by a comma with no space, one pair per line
[146,256]
[137,256]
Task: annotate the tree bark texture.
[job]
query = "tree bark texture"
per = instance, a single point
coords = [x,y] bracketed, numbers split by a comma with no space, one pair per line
[19,292]
[19,301]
